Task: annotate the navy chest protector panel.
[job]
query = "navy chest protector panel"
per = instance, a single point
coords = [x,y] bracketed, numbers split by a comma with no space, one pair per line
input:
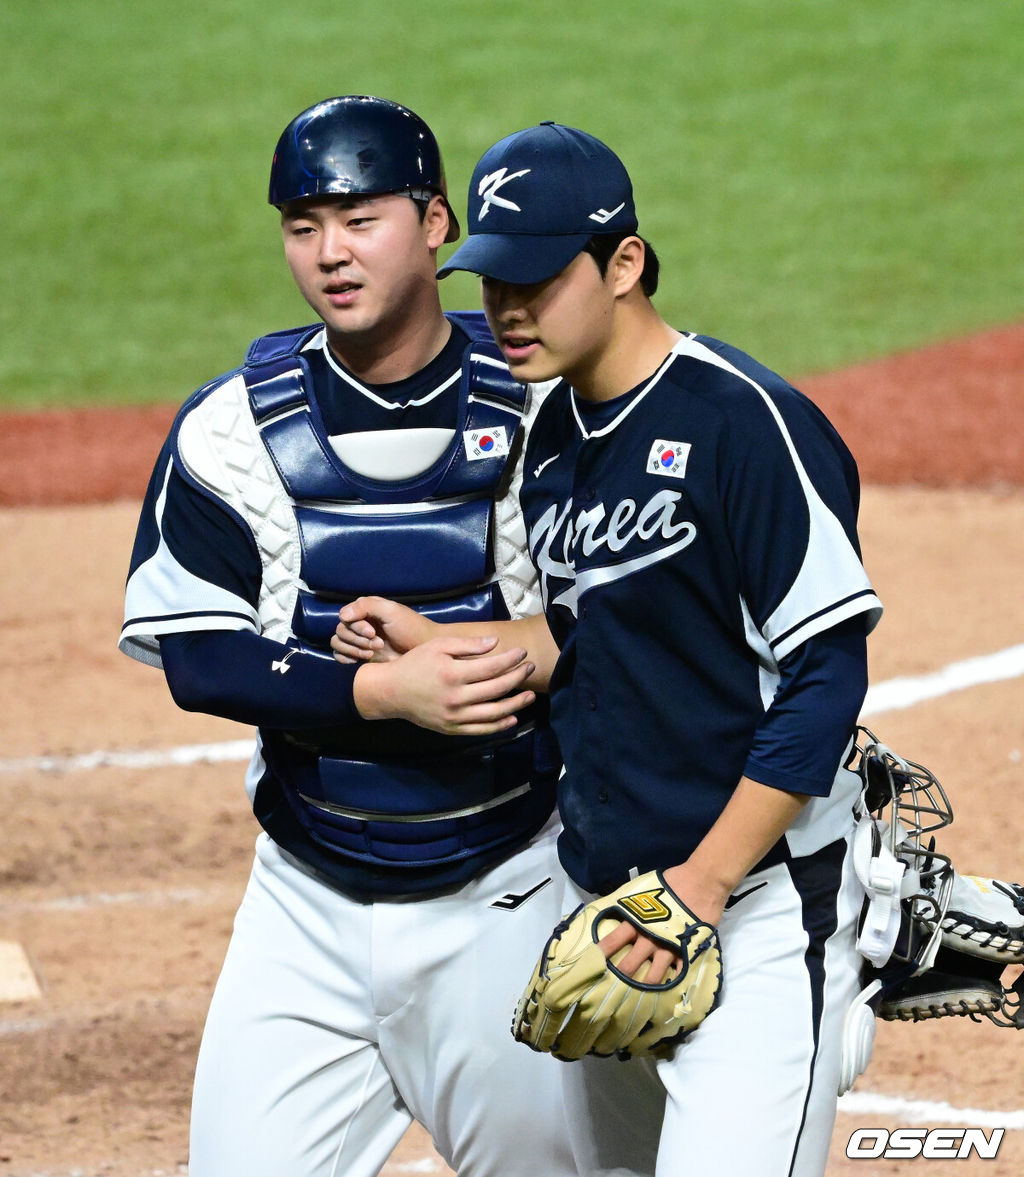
[391,795]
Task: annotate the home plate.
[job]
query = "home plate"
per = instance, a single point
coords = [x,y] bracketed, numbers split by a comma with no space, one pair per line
[17,981]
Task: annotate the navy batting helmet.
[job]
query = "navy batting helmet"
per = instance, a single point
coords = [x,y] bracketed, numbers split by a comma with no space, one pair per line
[358,145]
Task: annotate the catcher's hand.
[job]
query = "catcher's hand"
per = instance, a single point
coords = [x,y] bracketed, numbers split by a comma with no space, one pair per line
[578,1002]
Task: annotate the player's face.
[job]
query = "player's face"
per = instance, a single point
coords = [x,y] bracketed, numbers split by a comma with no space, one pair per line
[561,327]
[365,265]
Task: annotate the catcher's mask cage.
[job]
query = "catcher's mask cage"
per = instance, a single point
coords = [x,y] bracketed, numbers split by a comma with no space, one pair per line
[1010,1013]
[905,804]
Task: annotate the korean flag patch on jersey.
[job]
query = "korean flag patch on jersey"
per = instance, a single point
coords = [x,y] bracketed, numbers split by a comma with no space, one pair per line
[485,443]
[668,458]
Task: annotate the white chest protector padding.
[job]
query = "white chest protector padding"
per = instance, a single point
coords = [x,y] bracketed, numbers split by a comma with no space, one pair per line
[221,448]
[513,566]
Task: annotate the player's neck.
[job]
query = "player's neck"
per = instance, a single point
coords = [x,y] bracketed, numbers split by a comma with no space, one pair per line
[638,342]
[392,350]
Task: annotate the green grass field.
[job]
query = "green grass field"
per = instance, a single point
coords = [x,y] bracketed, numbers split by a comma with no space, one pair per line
[825,181]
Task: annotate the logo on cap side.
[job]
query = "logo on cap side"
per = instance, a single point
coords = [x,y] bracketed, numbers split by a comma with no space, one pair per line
[488,189]
[603,216]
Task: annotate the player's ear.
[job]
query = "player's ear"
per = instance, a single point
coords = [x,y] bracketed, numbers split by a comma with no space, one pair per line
[435,222]
[627,265]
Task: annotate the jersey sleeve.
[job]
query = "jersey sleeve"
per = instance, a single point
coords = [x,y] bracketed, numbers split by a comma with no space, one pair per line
[194,565]
[790,495]
[805,732]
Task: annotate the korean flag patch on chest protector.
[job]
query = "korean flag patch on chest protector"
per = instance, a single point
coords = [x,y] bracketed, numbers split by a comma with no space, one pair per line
[668,458]
[485,443]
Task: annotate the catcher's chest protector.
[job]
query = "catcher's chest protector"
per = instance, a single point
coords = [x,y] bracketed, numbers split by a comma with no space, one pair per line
[355,536]
[427,540]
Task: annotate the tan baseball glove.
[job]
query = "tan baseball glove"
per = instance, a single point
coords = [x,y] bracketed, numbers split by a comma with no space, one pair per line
[578,1002]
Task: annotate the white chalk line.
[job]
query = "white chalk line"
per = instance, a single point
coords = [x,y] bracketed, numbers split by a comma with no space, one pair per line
[185,754]
[893,695]
[899,693]
[426,1165]
[865,1104]
[82,902]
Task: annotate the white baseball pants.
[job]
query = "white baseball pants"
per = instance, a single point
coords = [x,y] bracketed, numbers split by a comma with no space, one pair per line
[753,1091]
[335,1022]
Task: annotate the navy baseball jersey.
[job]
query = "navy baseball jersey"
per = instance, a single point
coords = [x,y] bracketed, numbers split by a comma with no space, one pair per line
[690,536]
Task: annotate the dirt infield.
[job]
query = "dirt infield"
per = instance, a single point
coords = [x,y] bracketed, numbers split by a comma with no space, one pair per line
[120,881]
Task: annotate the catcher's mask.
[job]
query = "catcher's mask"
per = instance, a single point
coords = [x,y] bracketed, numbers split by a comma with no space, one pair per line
[358,145]
[908,804]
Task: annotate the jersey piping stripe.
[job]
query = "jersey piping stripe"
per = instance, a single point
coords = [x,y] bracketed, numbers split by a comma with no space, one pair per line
[379,400]
[696,349]
[161,617]
[868,592]
[820,924]
[632,404]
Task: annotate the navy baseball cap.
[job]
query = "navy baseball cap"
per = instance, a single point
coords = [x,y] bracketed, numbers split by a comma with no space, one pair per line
[535,200]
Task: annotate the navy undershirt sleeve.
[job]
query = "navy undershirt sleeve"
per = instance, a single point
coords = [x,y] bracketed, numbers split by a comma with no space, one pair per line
[210,541]
[800,742]
[231,673]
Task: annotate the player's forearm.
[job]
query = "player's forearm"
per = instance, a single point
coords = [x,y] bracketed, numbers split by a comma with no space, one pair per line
[376,629]
[752,822]
[804,734]
[240,675]
[453,684]
[529,633]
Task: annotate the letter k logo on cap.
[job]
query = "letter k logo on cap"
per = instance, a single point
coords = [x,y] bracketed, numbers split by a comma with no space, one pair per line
[488,189]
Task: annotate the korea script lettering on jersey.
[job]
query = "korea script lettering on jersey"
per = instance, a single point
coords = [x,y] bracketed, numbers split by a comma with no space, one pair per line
[593,530]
